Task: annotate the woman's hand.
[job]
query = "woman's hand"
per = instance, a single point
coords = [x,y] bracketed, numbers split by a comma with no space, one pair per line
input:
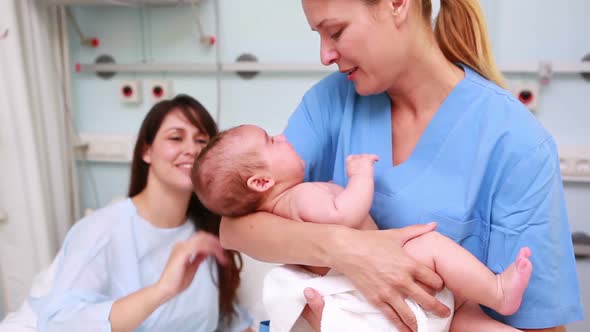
[312,312]
[378,266]
[130,311]
[184,261]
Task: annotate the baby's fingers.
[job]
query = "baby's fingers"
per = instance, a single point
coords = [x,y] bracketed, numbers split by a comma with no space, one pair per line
[372,157]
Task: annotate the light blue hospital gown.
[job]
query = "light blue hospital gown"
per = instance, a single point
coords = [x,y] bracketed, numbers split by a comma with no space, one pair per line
[484,169]
[114,252]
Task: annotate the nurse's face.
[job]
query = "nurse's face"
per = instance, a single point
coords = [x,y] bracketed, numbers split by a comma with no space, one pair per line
[365,41]
[171,156]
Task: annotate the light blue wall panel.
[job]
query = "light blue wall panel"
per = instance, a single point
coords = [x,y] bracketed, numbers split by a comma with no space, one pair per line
[102,183]
[550,32]
[172,34]
[282,36]
[169,34]
[527,30]
[118,29]
[267,100]
[98,109]
[565,109]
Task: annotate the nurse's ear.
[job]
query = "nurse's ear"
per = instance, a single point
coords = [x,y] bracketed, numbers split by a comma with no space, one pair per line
[260,182]
[399,10]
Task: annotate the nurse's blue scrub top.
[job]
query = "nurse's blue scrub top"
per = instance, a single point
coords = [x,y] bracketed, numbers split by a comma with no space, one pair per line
[484,169]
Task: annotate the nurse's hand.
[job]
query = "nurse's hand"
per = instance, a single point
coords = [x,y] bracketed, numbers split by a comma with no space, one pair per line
[184,261]
[314,308]
[378,266]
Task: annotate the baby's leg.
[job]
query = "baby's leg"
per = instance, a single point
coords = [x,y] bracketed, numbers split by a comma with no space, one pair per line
[469,317]
[468,278]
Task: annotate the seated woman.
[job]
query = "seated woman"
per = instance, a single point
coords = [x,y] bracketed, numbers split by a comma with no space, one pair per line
[152,262]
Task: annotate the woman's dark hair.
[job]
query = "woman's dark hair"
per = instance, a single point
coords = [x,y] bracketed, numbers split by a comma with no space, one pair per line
[229,276]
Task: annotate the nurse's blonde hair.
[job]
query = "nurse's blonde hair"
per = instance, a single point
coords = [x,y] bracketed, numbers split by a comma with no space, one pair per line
[461,34]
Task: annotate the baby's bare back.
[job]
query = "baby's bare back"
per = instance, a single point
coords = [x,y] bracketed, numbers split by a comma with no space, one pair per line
[290,205]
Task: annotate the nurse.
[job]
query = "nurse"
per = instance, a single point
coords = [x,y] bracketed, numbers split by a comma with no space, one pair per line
[454,147]
[152,262]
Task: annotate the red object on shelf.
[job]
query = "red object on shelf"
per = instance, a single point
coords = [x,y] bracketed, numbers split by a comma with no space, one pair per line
[78,67]
[95,42]
[212,40]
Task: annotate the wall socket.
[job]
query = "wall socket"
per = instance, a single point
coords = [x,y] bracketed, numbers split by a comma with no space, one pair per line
[527,92]
[159,90]
[130,92]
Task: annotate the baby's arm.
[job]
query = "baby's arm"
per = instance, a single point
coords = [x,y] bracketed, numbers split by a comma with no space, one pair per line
[349,206]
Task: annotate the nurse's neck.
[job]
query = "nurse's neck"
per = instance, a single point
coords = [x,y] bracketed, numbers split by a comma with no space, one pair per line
[162,209]
[425,84]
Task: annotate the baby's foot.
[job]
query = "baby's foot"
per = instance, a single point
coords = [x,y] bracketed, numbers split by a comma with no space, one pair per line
[513,282]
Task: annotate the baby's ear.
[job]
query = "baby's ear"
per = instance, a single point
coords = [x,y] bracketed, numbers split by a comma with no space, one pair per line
[260,183]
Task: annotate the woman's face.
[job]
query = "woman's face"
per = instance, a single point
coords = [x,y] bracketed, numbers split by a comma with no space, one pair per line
[363,40]
[173,152]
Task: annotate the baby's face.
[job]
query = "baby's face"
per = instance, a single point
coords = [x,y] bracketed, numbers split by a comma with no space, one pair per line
[284,162]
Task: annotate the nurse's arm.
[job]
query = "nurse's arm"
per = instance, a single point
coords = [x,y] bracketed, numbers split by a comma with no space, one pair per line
[373,260]
[270,238]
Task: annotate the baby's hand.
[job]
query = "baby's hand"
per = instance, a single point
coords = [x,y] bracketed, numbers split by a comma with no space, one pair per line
[360,164]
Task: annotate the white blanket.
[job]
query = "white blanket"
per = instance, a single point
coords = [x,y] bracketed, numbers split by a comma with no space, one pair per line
[345,309]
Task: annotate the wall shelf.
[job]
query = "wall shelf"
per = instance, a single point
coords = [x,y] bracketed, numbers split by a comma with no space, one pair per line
[148,67]
[207,67]
[300,67]
[575,179]
[126,3]
[540,67]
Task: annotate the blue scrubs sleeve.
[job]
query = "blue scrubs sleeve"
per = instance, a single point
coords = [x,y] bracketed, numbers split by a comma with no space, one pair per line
[77,301]
[529,210]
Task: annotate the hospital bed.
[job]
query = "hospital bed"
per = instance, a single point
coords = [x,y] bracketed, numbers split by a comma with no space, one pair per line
[249,295]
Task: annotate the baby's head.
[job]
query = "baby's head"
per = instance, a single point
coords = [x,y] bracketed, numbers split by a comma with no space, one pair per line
[241,168]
